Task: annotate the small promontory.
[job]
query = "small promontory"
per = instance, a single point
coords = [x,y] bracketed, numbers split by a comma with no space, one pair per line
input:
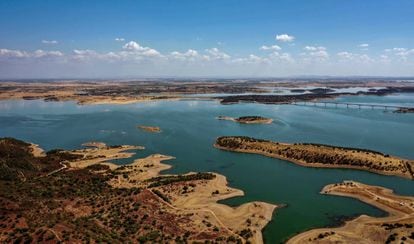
[321,156]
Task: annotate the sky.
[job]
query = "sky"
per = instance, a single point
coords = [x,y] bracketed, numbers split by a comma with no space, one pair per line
[200,38]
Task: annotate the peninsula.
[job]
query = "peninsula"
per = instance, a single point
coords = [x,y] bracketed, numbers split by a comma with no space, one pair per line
[79,196]
[320,156]
[397,227]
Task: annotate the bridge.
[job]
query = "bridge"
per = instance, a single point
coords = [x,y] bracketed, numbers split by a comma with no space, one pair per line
[350,105]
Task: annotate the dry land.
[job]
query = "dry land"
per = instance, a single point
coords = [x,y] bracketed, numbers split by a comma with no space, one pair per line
[398,227]
[79,196]
[124,92]
[320,156]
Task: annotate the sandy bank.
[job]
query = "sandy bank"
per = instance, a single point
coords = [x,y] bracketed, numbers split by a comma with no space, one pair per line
[320,156]
[199,200]
[399,225]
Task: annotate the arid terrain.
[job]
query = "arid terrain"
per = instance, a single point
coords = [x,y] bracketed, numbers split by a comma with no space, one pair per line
[318,155]
[398,227]
[79,196]
[124,92]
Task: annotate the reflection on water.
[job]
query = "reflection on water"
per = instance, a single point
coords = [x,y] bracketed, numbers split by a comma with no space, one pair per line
[189,129]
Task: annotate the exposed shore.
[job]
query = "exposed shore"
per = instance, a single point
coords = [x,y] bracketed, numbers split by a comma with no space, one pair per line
[126,92]
[398,226]
[247,119]
[153,129]
[199,197]
[320,156]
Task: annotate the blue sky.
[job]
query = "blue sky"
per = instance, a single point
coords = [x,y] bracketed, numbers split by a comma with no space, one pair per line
[205,38]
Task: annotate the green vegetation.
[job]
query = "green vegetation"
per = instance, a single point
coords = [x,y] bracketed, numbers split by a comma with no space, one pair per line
[78,205]
[166,180]
[311,154]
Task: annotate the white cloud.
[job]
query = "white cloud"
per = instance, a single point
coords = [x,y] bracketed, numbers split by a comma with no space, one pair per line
[400,53]
[85,54]
[396,49]
[190,54]
[133,46]
[285,38]
[215,54]
[49,42]
[139,50]
[151,53]
[345,55]
[273,47]
[321,54]
[8,53]
[363,45]
[313,48]
[315,53]
[42,53]
[252,59]
[285,57]
[141,60]
[354,57]
[119,39]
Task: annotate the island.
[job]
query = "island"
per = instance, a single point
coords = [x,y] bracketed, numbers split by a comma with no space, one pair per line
[315,95]
[153,129]
[247,119]
[80,196]
[397,227]
[404,110]
[320,156]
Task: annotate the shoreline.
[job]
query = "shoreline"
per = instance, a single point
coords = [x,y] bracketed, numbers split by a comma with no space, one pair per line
[115,92]
[400,217]
[202,198]
[407,174]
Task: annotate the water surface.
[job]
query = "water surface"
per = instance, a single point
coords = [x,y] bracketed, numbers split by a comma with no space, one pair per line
[189,129]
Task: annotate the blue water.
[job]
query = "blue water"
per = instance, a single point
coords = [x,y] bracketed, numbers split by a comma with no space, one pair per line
[189,129]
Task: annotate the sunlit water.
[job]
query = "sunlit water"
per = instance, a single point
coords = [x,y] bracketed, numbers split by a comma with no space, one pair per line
[189,129]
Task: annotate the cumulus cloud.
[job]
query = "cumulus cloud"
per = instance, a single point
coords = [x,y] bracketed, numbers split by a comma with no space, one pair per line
[8,53]
[252,59]
[313,48]
[345,55]
[273,48]
[119,39]
[363,45]
[190,54]
[285,38]
[42,53]
[49,42]
[215,54]
[315,53]
[354,57]
[132,46]
[140,50]
[396,49]
[285,57]
[143,60]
